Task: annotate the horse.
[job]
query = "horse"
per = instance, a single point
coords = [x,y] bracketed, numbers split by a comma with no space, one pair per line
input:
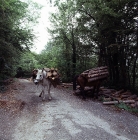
[40,78]
[83,82]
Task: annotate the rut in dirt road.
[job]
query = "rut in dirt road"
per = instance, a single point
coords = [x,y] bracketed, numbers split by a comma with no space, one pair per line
[67,117]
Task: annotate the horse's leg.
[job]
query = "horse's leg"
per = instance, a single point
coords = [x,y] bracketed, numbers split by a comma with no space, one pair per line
[93,90]
[36,88]
[49,87]
[97,89]
[83,93]
[40,93]
[43,93]
[74,82]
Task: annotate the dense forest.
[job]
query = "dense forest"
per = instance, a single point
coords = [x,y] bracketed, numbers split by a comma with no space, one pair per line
[84,34]
[16,33]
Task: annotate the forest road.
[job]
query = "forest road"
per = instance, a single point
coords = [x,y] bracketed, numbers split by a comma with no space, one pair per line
[65,117]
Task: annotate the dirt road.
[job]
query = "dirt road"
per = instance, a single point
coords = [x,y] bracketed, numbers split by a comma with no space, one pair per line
[65,117]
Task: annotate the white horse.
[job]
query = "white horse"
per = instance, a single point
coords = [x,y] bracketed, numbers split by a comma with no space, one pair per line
[42,79]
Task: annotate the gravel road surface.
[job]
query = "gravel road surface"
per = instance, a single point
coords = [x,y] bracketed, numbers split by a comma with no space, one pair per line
[65,117]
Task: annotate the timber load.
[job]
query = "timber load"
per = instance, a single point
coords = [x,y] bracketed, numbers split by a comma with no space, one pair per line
[53,75]
[95,74]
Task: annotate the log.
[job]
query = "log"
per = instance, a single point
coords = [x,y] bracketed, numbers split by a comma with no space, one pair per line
[47,69]
[110,102]
[127,93]
[84,74]
[97,78]
[54,73]
[105,92]
[128,101]
[49,74]
[97,74]
[132,97]
[133,105]
[94,69]
[103,88]
[88,88]
[116,102]
[125,96]
[87,71]
[94,74]
[52,69]
[98,71]
[107,99]
[107,95]
[100,68]
[118,92]
[108,89]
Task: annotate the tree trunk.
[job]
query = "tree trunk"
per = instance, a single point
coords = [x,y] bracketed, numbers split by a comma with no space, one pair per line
[73,59]
[134,72]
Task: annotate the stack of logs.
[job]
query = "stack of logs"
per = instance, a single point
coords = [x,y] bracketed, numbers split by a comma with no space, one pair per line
[111,96]
[99,73]
[94,74]
[53,75]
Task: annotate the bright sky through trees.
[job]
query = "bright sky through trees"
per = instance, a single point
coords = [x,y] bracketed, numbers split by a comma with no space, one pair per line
[41,28]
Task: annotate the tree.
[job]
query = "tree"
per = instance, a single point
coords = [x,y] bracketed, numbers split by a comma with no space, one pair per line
[104,31]
[16,22]
[111,25]
[66,35]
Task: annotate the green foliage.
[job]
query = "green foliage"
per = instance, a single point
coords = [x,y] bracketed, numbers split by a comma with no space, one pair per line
[71,41]
[28,61]
[17,20]
[127,107]
[84,34]
[95,33]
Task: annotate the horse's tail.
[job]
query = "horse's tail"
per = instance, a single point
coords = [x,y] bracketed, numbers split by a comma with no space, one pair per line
[74,82]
